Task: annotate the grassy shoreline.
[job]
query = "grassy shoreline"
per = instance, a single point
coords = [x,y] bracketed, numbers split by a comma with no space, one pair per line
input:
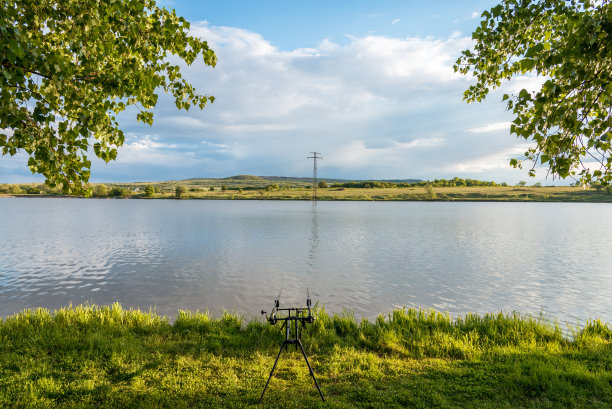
[481,193]
[88,356]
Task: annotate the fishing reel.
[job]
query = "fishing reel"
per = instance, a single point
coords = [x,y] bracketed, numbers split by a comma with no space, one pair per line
[310,318]
[272,319]
[294,313]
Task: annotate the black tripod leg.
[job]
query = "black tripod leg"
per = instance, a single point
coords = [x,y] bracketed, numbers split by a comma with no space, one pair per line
[310,369]
[271,372]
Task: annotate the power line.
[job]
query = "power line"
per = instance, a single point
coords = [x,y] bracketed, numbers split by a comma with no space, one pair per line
[315,156]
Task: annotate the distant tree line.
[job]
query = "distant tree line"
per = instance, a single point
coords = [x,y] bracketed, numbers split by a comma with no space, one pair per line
[371,184]
[30,189]
[101,190]
[367,184]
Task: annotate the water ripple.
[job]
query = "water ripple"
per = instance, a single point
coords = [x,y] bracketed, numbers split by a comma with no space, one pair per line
[368,257]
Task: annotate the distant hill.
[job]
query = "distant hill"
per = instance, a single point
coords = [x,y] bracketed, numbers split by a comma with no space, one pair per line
[400,180]
[298,179]
[244,177]
[330,180]
[292,179]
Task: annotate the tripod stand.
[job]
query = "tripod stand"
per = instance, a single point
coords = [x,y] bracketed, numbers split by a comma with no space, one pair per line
[296,319]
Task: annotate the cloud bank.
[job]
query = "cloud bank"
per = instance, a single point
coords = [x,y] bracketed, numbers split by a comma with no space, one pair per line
[376,107]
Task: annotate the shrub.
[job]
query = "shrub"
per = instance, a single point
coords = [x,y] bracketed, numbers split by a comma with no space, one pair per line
[430,194]
[118,191]
[100,190]
[48,190]
[14,189]
[180,191]
[149,191]
[323,184]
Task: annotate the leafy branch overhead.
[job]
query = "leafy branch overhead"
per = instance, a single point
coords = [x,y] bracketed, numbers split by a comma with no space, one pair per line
[69,67]
[569,44]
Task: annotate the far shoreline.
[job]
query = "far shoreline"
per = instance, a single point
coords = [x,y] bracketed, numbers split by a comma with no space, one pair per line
[563,194]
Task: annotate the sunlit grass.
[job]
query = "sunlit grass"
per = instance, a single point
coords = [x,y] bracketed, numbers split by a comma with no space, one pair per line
[88,356]
[249,189]
[487,193]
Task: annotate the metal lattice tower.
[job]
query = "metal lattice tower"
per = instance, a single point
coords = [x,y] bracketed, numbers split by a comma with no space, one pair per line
[315,156]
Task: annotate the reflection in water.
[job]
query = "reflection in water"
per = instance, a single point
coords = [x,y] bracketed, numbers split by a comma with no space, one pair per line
[314,240]
[365,256]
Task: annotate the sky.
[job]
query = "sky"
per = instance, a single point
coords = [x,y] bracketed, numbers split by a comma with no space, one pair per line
[369,85]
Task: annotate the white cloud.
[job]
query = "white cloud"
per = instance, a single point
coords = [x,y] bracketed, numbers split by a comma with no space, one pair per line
[475,14]
[376,107]
[259,128]
[495,161]
[185,121]
[422,59]
[146,149]
[354,154]
[395,21]
[497,126]
[531,83]
[423,143]
[238,40]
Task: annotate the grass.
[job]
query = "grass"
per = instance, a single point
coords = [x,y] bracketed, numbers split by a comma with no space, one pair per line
[88,356]
[497,193]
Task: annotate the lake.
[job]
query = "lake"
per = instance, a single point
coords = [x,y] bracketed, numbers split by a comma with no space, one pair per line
[367,257]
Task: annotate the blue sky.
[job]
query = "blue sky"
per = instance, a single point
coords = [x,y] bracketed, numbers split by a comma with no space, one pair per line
[368,84]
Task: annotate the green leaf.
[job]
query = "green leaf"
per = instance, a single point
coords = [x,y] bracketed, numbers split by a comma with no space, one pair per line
[84,62]
[533,51]
[527,64]
[565,41]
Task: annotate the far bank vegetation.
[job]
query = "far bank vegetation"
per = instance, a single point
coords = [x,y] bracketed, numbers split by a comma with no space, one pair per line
[247,187]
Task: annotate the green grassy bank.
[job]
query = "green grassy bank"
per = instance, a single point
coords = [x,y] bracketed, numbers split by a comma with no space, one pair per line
[418,193]
[111,357]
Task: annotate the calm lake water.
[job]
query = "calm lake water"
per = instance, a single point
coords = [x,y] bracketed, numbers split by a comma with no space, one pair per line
[368,257]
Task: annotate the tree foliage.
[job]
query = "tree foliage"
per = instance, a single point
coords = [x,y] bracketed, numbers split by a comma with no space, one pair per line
[569,44]
[120,192]
[373,184]
[149,191]
[180,191]
[430,194]
[100,190]
[69,67]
